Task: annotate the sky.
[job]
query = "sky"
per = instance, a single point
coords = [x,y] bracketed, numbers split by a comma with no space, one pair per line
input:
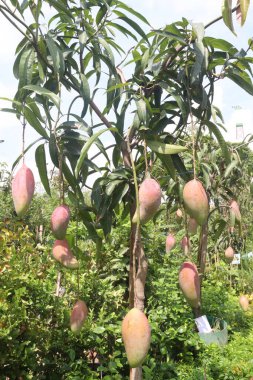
[235,104]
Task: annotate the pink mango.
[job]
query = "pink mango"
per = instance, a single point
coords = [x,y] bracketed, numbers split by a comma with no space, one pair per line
[59,221]
[185,245]
[234,208]
[150,195]
[196,201]
[244,302]
[189,283]
[22,187]
[78,316]
[170,242]
[192,226]
[136,334]
[229,254]
[63,254]
[179,215]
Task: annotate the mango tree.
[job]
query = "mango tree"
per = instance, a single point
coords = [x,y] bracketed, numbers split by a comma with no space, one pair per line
[79,89]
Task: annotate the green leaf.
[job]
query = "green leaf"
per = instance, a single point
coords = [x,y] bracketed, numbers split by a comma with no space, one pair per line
[34,122]
[26,150]
[141,110]
[40,158]
[131,23]
[227,14]
[162,148]
[44,92]
[168,164]
[217,133]
[133,12]
[53,151]
[243,10]
[56,55]
[243,80]
[87,146]
[85,92]
[25,68]
[180,167]
[230,168]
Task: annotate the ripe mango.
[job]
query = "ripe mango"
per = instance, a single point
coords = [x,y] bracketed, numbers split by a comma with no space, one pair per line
[150,195]
[170,242]
[59,221]
[196,201]
[235,210]
[63,254]
[189,283]
[136,334]
[78,316]
[22,187]
[244,302]
[185,245]
[229,254]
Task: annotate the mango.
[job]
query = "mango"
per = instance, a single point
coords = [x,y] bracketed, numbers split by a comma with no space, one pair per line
[150,195]
[244,302]
[78,316]
[136,335]
[196,201]
[63,254]
[229,254]
[170,243]
[189,283]
[235,210]
[192,226]
[179,215]
[22,187]
[59,221]
[185,245]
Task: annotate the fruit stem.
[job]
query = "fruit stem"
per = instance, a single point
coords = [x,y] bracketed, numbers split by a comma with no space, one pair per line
[23,140]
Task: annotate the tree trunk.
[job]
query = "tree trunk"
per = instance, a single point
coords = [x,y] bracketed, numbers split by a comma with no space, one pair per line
[135,373]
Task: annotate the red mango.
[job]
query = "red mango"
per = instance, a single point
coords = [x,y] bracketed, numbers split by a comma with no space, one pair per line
[63,254]
[78,316]
[59,221]
[229,254]
[185,245]
[23,186]
[150,195]
[136,335]
[244,302]
[196,201]
[189,283]
[170,242]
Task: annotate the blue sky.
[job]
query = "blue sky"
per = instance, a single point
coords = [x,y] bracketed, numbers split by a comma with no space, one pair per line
[159,13]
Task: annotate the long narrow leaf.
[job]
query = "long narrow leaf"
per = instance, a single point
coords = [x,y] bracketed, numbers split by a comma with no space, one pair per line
[26,150]
[43,91]
[223,145]
[87,146]
[40,158]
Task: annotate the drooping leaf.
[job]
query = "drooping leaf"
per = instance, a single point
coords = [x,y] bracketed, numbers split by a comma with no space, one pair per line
[162,148]
[44,92]
[233,164]
[87,146]
[227,14]
[40,158]
[34,122]
[85,92]
[56,55]
[242,79]
[26,150]
[242,11]
[223,145]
